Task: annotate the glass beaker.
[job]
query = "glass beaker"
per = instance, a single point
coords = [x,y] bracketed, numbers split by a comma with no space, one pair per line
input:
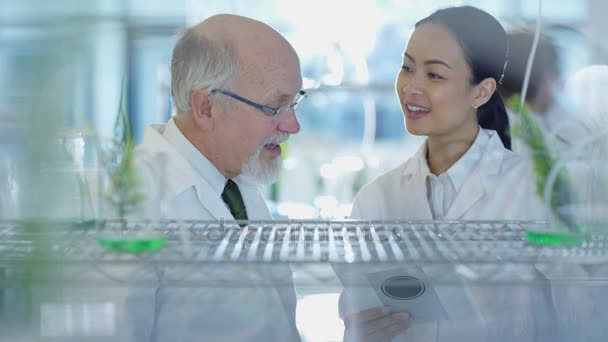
[134,204]
[585,210]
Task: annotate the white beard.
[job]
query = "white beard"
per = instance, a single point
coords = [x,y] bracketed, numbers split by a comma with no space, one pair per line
[259,171]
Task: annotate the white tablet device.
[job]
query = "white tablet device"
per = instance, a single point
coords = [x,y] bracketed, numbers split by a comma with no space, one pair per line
[402,288]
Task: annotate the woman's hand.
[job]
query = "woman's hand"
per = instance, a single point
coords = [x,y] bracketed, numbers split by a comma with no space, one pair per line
[375,324]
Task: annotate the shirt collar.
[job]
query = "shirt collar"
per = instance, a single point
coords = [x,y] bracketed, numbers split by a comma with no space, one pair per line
[195,158]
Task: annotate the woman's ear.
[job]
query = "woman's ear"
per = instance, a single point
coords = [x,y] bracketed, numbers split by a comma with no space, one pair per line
[201,109]
[484,91]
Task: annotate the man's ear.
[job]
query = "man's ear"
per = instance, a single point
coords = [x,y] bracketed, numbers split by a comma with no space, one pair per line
[484,91]
[201,109]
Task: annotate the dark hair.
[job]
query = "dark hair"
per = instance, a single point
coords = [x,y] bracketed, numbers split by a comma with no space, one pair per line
[545,62]
[484,43]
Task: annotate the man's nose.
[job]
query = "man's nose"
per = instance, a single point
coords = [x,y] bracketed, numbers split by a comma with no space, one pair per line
[288,122]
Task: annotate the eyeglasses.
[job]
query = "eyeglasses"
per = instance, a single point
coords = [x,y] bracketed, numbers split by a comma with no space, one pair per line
[270,111]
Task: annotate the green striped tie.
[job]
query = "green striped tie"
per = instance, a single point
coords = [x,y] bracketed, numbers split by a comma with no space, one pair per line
[232,197]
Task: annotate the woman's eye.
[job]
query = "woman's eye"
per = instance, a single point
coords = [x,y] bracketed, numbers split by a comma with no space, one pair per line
[406,68]
[435,76]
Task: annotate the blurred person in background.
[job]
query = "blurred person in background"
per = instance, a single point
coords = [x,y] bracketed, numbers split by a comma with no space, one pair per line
[235,83]
[588,91]
[446,86]
[544,96]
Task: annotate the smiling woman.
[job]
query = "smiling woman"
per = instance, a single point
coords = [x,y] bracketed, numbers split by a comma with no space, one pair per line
[455,77]
[464,171]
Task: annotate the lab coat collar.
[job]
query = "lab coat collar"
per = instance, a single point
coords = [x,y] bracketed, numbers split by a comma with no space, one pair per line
[419,164]
[179,173]
[201,165]
[473,187]
[459,172]
[414,180]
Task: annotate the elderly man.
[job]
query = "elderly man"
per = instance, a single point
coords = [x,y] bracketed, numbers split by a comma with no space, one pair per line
[236,83]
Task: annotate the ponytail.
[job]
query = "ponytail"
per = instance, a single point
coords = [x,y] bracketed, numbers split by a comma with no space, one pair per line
[493,115]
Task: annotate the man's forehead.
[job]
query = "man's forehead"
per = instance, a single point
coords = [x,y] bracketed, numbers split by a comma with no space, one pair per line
[268,70]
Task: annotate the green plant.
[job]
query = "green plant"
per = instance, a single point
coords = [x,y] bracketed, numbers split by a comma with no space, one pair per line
[530,132]
[124,191]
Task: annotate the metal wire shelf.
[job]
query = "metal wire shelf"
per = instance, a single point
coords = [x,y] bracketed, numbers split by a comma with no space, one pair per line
[307,241]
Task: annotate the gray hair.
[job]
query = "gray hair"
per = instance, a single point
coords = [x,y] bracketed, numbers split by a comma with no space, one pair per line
[200,62]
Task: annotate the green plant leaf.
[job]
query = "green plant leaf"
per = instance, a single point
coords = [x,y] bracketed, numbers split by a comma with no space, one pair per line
[124,192]
[531,133]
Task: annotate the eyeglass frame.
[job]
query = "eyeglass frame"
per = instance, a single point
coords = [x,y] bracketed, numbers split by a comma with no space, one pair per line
[267,110]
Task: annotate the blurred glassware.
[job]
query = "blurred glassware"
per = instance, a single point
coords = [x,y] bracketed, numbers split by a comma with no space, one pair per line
[587,166]
[10,163]
[134,192]
[69,169]
[587,160]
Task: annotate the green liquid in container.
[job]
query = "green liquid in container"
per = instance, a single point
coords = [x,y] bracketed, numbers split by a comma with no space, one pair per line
[554,239]
[132,244]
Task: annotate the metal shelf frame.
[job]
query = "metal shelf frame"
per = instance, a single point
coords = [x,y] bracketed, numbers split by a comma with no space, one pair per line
[293,241]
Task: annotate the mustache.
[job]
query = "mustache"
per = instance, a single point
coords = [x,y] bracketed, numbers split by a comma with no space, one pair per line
[277,138]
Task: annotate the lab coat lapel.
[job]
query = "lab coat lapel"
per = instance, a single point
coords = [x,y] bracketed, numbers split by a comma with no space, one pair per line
[474,187]
[416,203]
[210,201]
[256,205]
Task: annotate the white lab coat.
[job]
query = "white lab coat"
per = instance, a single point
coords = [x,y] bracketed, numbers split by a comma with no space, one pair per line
[500,187]
[245,302]
[165,170]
